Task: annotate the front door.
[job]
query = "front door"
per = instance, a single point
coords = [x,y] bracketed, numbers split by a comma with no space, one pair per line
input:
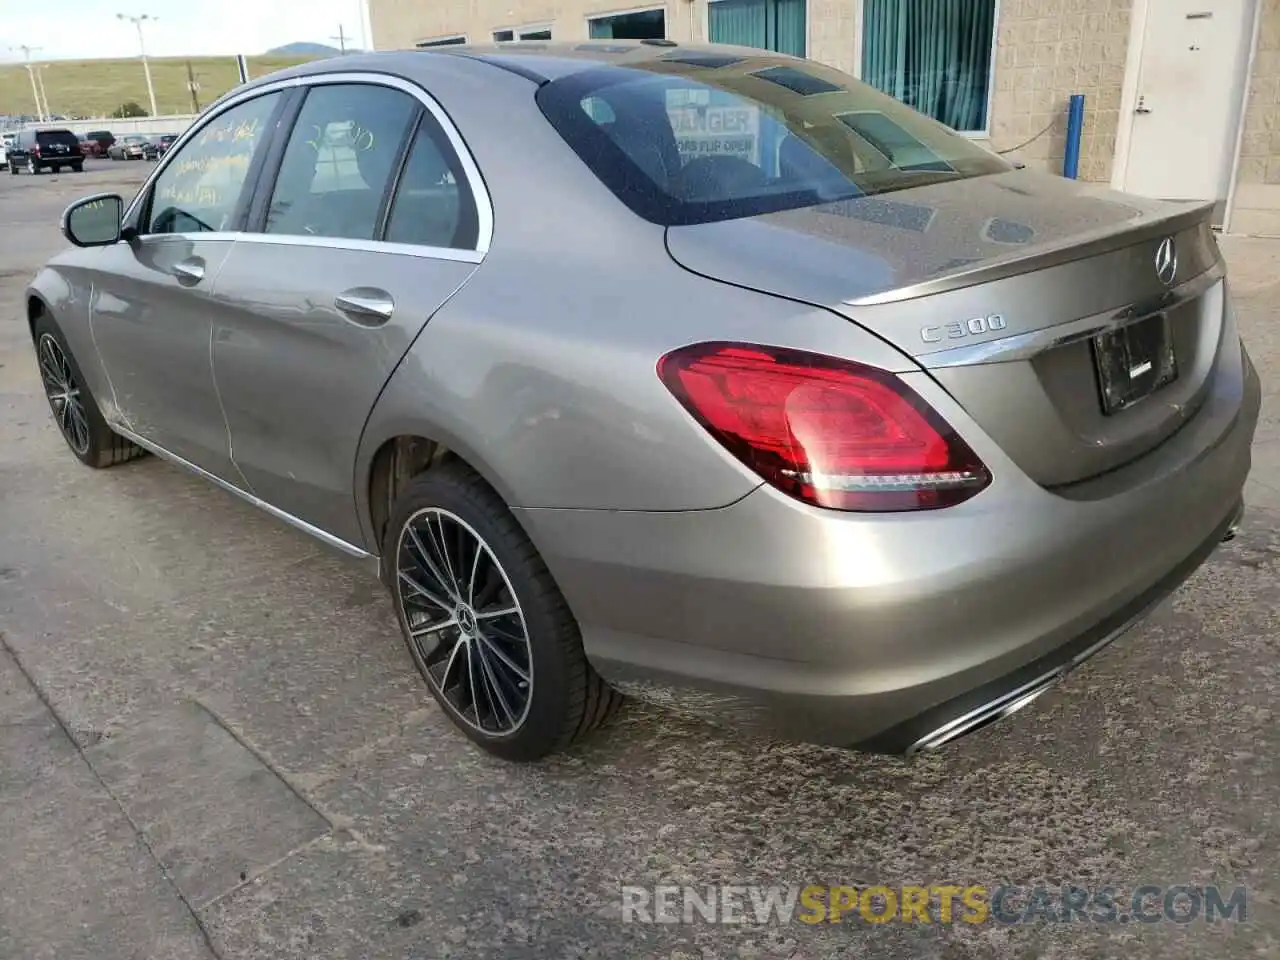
[151,313]
[1190,87]
[356,246]
[151,325]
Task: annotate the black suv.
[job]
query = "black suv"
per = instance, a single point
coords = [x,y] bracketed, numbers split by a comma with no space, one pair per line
[40,150]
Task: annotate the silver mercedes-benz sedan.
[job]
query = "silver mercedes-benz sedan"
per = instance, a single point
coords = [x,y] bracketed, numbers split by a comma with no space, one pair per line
[702,374]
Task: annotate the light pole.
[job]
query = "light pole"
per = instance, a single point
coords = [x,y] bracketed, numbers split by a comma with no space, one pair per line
[142,46]
[38,68]
[364,30]
[41,108]
[193,86]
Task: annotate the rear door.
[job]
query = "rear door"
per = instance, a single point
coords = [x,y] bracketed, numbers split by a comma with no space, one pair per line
[374,219]
[151,316]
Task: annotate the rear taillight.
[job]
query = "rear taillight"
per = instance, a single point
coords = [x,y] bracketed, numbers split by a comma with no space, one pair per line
[35,149]
[829,432]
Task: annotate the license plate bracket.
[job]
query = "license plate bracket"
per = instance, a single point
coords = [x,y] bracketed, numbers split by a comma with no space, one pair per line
[1133,362]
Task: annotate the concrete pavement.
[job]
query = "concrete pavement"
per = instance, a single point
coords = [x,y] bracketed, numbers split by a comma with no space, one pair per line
[213,744]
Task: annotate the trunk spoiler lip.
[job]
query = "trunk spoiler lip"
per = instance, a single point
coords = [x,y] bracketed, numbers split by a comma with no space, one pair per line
[1078,247]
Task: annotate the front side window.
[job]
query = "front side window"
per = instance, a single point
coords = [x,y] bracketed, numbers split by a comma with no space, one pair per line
[933,55]
[340,160]
[749,135]
[778,25]
[198,191]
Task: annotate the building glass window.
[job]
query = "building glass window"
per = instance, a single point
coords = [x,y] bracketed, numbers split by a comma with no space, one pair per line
[441,42]
[641,25]
[933,55]
[778,25]
[536,33]
[503,36]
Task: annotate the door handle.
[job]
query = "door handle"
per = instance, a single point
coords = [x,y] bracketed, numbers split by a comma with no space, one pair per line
[366,305]
[191,269]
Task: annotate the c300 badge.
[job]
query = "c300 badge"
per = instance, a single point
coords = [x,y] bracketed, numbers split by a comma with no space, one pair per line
[959,329]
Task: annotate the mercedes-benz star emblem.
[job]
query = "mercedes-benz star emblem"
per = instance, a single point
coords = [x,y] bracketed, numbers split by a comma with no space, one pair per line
[1166,261]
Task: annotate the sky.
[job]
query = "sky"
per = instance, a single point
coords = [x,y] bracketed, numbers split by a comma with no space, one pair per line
[74,29]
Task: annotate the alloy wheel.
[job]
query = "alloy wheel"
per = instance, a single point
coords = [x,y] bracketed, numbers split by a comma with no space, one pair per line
[64,394]
[465,627]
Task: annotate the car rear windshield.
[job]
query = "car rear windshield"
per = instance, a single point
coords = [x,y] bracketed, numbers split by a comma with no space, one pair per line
[48,137]
[694,138]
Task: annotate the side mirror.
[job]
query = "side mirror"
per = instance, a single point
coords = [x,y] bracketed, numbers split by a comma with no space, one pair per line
[94,221]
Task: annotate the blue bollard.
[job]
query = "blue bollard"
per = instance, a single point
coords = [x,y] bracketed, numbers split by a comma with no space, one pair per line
[1075,127]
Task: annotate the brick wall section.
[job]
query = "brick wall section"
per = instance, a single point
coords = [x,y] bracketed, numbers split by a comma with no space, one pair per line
[1047,50]
[1260,152]
[834,26]
[1257,200]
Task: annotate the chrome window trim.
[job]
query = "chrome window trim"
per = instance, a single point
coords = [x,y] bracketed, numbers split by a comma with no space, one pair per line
[479,190]
[333,243]
[1025,346]
[371,246]
[322,535]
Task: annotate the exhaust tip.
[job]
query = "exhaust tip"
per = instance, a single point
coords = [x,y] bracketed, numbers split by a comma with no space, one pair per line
[1234,527]
[997,709]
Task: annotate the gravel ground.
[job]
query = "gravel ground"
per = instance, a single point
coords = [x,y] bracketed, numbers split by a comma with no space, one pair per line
[214,744]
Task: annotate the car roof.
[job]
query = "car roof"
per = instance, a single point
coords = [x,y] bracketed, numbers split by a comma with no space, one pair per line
[537,61]
[540,61]
[551,60]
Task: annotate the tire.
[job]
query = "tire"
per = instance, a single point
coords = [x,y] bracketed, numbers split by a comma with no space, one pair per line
[13,169]
[78,166]
[90,439]
[561,698]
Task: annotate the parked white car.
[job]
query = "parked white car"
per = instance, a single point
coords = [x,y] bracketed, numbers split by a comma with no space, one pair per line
[5,140]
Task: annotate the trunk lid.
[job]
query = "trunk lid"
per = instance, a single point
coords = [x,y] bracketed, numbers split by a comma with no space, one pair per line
[998,286]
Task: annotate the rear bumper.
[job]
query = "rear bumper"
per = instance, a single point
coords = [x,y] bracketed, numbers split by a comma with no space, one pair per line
[872,631]
[1005,695]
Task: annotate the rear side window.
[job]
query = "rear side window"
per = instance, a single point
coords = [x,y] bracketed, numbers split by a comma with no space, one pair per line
[339,163]
[748,137]
[433,204]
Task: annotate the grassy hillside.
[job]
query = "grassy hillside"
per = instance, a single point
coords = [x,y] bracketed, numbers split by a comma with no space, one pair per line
[93,88]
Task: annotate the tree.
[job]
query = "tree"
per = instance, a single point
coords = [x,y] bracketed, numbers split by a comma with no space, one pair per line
[128,109]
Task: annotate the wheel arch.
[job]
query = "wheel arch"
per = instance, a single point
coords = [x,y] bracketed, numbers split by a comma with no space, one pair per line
[394,457]
[36,308]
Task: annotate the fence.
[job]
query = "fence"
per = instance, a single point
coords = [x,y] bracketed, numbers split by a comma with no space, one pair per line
[175,123]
